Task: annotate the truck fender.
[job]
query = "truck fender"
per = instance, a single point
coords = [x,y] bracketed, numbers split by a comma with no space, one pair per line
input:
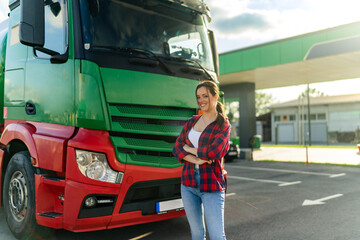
[22,132]
[15,131]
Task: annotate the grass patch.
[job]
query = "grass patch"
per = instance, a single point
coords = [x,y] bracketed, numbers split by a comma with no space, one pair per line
[312,163]
[316,146]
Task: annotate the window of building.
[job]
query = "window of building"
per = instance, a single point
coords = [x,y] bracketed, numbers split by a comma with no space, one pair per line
[277,118]
[303,117]
[314,116]
[321,116]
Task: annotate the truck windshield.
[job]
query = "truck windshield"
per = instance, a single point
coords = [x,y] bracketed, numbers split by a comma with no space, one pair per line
[167,30]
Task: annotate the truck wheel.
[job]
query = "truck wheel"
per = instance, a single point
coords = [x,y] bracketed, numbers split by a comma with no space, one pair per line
[19,196]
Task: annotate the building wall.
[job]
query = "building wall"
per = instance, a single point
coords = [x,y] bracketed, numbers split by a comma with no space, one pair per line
[344,118]
[276,123]
[329,123]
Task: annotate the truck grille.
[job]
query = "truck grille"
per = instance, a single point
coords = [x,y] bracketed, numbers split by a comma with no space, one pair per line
[145,135]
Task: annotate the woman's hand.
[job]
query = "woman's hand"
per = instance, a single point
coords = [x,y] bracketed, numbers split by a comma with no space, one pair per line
[186,147]
[201,161]
[195,160]
[189,149]
[193,151]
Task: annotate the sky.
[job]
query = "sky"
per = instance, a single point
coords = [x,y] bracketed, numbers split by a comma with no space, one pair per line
[243,23]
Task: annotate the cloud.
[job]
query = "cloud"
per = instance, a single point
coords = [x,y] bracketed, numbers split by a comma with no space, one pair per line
[277,4]
[4,24]
[4,9]
[242,23]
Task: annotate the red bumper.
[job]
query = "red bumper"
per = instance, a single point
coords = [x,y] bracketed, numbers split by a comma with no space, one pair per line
[75,194]
[64,201]
[72,205]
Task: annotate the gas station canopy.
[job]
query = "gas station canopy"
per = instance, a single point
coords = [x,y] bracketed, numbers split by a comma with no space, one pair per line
[321,56]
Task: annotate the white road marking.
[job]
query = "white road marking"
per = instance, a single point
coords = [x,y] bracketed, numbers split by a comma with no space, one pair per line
[289,183]
[337,175]
[320,201]
[292,171]
[230,194]
[280,183]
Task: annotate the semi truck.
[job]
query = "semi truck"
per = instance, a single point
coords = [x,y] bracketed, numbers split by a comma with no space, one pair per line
[93,95]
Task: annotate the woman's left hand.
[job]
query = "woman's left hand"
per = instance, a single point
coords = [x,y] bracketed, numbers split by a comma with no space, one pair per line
[211,161]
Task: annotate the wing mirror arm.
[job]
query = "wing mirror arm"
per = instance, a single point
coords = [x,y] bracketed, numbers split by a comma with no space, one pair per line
[214,51]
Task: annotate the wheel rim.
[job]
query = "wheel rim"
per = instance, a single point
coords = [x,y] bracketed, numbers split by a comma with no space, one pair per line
[18,196]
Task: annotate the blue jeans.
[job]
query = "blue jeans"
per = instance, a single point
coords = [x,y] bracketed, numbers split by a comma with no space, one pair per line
[196,203]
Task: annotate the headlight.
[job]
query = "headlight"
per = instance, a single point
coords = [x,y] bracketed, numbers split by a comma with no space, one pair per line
[95,166]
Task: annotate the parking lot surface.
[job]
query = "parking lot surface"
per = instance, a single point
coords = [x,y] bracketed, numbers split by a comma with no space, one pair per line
[265,200]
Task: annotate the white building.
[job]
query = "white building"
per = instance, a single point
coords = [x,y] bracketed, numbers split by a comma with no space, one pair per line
[334,119]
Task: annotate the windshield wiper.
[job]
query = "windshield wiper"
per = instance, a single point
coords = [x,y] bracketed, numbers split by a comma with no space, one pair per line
[141,51]
[191,61]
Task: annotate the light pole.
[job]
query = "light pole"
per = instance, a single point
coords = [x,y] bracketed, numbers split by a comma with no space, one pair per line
[309,121]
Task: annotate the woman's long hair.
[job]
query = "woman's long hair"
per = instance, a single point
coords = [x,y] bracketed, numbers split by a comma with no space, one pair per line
[213,89]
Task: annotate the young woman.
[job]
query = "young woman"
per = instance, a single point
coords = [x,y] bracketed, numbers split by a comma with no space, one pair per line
[201,146]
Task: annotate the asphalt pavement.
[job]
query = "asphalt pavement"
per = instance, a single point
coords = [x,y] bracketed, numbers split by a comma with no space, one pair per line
[268,201]
[283,201]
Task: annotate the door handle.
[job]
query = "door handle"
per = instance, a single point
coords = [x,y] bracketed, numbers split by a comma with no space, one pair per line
[30,108]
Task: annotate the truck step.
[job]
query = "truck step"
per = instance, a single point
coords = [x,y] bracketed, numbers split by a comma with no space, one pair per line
[50,219]
[53,181]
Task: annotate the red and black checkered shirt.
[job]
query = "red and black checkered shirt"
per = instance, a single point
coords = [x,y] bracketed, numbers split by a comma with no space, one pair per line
[213,145]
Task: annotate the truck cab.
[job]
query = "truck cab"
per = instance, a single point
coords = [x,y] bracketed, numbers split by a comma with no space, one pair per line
[95,93]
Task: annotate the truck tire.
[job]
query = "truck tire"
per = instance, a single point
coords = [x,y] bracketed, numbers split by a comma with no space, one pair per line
[19,197]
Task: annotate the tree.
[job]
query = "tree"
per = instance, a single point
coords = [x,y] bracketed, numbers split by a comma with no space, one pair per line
[262,102]
[313,92]
[232,111]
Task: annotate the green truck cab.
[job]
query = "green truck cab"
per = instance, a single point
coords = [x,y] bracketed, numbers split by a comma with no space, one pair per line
[95,93]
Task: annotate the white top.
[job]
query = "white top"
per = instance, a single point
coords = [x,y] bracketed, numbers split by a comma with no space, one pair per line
[194,139]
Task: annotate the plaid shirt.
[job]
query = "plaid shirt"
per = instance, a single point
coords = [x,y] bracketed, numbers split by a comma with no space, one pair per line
[213,144]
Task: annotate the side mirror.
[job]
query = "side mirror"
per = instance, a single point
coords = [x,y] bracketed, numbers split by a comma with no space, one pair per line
[214,51]
[32,23]
[55,8]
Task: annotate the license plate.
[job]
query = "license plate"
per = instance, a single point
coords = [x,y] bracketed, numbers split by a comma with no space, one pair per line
[232,153]
[169,205]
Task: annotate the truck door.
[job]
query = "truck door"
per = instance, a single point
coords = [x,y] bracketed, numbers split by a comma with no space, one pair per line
[16,55]
[49,86]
